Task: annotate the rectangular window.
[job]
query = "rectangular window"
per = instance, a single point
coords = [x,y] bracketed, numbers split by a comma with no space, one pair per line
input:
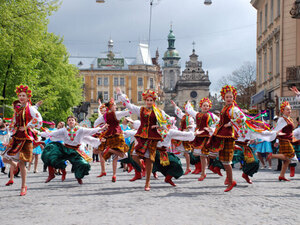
[278,7]
[116,81]
[265,66]
[105,96]
[151,83]
[99,81]
[277,58]
[122,81]
[272,11]
[260,23]
[115,96]
[140,96]
[259,69]
[100,95]
[266,16]
[140,81]
[270,62]
[105,81]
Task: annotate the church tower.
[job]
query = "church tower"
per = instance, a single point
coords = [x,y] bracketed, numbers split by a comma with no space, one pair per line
[171,66]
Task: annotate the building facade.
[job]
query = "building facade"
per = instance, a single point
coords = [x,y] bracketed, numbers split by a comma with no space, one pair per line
[278,55]
[192,84]
[101,76]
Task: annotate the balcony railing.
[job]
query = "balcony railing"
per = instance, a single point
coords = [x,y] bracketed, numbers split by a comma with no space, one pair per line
[293,74]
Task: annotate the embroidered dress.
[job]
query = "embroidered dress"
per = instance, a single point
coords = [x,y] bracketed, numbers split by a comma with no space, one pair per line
[203,120]
[55,153]
[114,134]
[286,126]
[186,120]
[223,138]
[20,146]
[146,136]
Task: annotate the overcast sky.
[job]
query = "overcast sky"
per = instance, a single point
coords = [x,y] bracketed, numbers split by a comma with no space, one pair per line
[224,32]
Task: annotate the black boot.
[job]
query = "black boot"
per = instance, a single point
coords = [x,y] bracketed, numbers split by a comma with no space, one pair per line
[3,170]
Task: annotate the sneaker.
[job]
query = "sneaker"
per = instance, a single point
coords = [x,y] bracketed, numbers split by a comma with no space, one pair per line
[270,168]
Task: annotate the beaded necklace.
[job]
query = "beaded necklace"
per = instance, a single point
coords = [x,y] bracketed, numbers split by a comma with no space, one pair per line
[72,132]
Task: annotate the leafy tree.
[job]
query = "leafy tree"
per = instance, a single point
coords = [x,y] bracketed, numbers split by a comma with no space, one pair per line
[30,55]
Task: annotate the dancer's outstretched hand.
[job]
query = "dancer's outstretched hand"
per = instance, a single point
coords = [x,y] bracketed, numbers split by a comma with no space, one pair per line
[173,103]
[118,91]
[198,132]
[295,90]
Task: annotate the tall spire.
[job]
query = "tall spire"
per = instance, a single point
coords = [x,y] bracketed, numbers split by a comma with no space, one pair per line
[171,38]
[193,46]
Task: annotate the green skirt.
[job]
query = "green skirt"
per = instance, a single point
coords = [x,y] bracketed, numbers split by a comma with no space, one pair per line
[174,169]
[55,154]
[248,168]
[130,160]
[194,159]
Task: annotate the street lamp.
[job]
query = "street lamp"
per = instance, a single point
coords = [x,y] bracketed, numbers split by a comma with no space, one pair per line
[207,2]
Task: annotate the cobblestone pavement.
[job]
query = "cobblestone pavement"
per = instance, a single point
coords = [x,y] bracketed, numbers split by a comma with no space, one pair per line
[99,201]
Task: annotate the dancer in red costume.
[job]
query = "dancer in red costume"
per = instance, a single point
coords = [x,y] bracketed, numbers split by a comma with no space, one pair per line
[25,119]
[113,139]
[187,124]
[205,120]
[149,132]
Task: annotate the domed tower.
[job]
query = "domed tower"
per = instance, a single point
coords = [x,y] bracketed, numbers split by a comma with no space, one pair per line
[171,66]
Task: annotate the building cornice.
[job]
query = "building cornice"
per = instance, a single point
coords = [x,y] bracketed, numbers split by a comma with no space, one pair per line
[254,3]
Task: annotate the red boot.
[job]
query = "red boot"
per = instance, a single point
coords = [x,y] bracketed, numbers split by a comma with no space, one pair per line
[187,172]
[130,167]
[137,176]
[211,168]
[51,175]
[168,179]
[79,180]
[292,171]
[231,186]
[102,174]
[218,171]
[197,168]
[64,173]
[246,177]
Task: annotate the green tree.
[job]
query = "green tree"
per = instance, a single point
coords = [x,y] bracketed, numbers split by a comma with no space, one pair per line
[30,55]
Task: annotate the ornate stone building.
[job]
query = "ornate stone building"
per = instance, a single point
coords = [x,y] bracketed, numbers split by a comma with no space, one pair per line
[102,74]
[192,85]
[278,55]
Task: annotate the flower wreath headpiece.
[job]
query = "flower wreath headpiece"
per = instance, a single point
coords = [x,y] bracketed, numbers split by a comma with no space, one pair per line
[149,93]
[228,88]
[24,88]
[205,100]
[283,105]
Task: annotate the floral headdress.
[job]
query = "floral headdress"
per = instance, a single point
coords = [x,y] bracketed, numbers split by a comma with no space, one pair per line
[205,100]
[149,93]
[102,106]
[228,88]
[24,88]
[283,105]
[110,103]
